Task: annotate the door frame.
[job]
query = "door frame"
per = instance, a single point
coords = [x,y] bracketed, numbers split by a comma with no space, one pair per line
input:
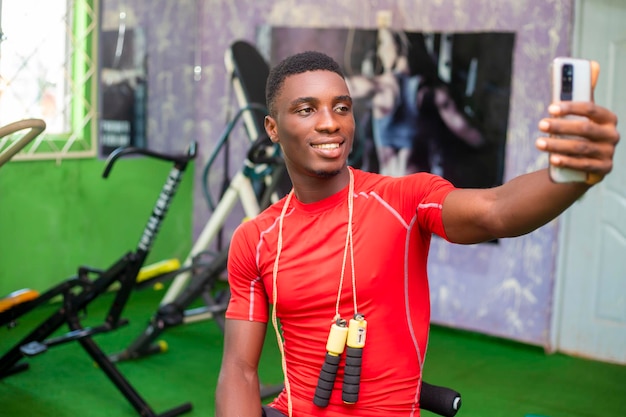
[564,224]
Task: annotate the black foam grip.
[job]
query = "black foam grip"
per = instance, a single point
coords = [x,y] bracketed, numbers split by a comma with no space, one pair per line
[352,377]
[440,400]
[326,380]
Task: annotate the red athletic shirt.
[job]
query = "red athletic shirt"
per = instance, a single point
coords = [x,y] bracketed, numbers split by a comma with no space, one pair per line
[393,220]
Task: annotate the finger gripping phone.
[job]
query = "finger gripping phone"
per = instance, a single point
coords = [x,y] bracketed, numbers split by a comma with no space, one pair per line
[571,81]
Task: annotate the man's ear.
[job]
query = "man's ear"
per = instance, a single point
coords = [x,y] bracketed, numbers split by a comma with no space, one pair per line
[270,128]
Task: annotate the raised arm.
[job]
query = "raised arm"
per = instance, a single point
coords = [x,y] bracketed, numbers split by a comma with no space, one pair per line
[238,391]
[532,200]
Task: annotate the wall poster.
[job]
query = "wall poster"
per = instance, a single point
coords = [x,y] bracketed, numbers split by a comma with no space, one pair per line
[123,88]
[435,102]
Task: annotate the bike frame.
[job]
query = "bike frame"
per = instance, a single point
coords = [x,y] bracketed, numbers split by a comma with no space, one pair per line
[195,280]
[78,292]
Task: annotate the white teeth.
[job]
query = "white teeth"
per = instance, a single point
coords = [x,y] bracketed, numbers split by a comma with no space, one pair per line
[327,146]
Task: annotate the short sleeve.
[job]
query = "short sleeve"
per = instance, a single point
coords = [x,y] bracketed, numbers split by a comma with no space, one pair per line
[430,206]
[248,300]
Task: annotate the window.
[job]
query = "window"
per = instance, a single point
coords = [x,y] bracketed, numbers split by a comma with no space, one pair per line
[48,70]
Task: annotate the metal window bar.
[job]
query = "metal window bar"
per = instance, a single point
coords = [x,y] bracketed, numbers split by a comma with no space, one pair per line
[77,138]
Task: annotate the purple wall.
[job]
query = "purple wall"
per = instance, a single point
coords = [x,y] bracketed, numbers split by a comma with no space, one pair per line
[504,289]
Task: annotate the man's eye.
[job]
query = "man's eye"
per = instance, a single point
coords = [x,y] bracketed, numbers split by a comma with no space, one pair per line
[304,110]
[342,108]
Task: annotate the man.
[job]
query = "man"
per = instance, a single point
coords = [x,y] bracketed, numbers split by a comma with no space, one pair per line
[348,244]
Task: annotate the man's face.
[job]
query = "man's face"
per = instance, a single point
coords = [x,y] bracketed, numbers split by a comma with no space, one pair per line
[314,123]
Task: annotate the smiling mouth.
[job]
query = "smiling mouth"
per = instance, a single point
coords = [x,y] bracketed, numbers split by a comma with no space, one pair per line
[326,146]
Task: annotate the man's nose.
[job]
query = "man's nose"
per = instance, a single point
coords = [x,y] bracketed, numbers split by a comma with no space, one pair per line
[327,120]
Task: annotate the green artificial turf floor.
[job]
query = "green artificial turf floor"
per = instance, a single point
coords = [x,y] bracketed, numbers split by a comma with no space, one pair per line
[497,378]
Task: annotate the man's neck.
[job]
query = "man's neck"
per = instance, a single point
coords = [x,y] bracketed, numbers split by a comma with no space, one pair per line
[312,189]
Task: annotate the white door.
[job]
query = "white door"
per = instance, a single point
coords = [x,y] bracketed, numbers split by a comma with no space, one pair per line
[591,275]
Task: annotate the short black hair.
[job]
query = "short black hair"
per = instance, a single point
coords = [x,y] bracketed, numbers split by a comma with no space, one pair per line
[296,64]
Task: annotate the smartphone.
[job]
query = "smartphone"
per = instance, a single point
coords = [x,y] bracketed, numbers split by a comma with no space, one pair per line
[571,81]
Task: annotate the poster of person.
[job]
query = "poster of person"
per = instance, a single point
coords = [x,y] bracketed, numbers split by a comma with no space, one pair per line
[435,102]
[123,86]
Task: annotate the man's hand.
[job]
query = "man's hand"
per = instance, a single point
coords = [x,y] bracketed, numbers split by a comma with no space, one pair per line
[599,127]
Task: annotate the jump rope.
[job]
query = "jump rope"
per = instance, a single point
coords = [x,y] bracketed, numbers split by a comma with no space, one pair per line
[350,334]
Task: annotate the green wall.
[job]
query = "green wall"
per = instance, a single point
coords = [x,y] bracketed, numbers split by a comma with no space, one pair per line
[57,216]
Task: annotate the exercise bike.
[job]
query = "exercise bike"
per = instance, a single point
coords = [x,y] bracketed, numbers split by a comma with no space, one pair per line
[76,293]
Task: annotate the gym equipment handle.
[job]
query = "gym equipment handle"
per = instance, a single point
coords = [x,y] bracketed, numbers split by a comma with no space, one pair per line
[131,150]
[440,400]
[36,126]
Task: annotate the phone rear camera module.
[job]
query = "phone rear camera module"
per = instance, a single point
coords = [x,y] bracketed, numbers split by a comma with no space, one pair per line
[567,81]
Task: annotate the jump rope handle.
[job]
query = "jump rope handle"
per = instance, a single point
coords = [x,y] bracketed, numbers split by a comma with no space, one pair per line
[440,400]
[334,348]
[354,355]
